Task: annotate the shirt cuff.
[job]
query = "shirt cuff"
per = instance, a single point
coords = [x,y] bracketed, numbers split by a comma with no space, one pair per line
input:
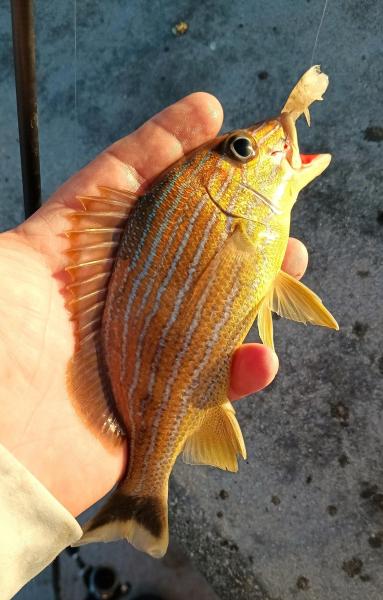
[34,526]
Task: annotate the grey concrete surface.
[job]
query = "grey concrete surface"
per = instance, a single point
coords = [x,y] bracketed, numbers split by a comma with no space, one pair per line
[172,578]
[303,518]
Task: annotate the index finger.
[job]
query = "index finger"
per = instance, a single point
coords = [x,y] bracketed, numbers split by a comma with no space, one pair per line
[128,164]
[296,258]
[169,135]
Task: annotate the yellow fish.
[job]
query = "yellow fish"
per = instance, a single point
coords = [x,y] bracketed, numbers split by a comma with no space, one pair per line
[165,288]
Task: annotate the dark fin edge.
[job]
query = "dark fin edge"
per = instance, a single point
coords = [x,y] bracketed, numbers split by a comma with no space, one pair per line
[142,520]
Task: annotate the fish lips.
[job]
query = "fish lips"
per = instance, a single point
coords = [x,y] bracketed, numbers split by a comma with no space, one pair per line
[304,167]
[312,165]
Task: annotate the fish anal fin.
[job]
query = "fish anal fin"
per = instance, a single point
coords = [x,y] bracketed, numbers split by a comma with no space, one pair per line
[293,300]
[140,519]
[218,441]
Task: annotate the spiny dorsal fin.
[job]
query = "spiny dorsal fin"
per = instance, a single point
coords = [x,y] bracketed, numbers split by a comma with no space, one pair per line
[291,299]
[218,441]
[94,238]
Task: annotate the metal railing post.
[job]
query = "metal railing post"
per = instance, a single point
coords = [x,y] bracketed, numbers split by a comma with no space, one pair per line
[25,76]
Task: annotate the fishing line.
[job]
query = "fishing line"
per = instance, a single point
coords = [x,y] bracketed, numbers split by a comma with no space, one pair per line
[56,567]
[318,32]
[75,82]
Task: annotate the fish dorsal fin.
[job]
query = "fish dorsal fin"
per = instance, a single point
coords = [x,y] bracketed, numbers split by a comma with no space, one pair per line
[94,236]
[291,299]
[218,441]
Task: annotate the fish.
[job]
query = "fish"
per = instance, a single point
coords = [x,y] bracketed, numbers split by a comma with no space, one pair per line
[164,288]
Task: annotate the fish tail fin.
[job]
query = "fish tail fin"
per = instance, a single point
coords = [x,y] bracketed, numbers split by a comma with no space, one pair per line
[140,519]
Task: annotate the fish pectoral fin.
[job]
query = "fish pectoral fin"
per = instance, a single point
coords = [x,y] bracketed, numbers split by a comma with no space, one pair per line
[218,441]
[293,300]
[237,250]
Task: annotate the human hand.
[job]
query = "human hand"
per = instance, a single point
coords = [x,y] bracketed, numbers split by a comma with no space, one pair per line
[38,423]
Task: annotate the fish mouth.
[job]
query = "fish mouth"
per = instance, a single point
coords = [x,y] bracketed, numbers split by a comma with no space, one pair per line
[305,167]
[312,165]
[306,159]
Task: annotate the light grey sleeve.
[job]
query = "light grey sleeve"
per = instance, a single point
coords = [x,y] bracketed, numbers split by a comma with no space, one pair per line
[34,526]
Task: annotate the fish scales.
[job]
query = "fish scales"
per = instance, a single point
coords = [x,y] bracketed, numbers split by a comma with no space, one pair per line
[192,264]
[166,325]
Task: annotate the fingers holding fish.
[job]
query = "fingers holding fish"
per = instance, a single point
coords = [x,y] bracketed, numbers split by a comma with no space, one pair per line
[253,367]
[296,258]
[130,163]
[169,135]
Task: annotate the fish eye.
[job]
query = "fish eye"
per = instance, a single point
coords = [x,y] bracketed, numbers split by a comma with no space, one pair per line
[241,147]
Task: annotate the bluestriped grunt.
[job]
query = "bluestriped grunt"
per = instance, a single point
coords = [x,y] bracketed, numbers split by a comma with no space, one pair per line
[165,287]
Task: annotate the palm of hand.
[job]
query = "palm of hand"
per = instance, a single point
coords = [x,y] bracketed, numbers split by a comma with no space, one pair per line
[37,416]
[39,424]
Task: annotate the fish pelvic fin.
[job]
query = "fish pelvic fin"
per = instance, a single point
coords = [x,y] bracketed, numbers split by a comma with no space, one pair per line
[94,234]
[291,299]
[218,441]
[265,322]
[141,520]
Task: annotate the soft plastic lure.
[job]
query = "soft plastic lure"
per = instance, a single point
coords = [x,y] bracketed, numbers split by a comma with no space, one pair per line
[165,288]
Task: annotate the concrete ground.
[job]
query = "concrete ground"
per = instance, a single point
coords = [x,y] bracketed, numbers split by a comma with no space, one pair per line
[172,578]
[303,518]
